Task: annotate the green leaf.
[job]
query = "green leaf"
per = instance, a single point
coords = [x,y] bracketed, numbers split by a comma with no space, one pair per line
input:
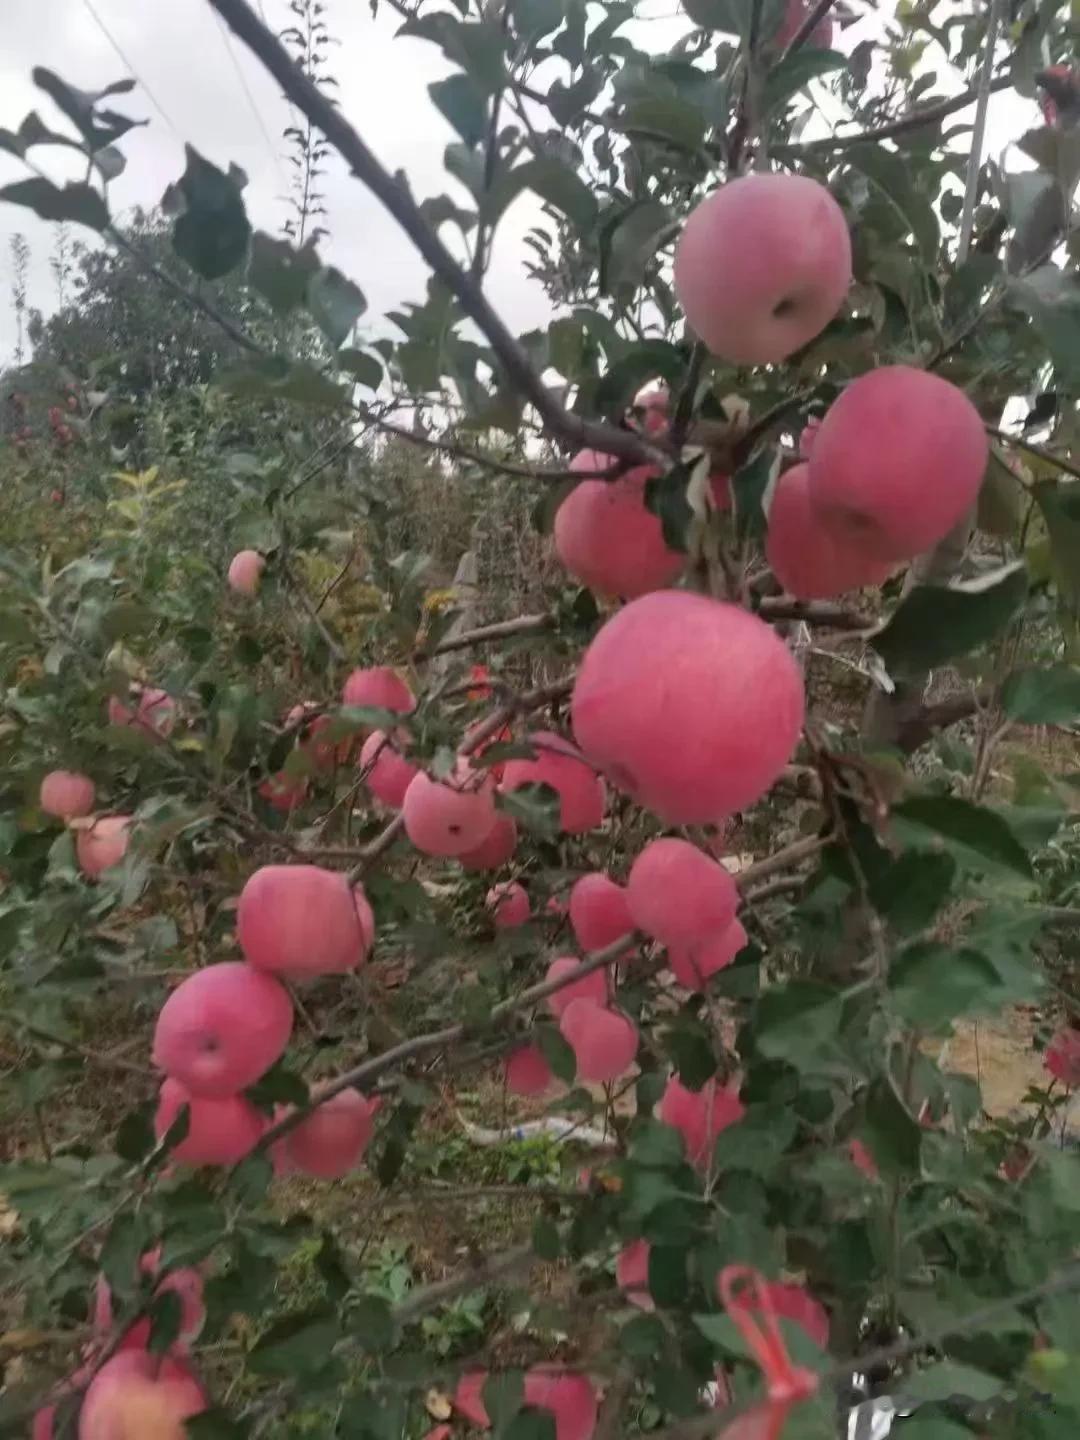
[557,1052]
[502,1395]
[795,71]
[629,243]
[545,1238]
[1051,298]
[797,1020]
[365,369]
[934,1427]
[975,835]
[931,984]
[135,1135]
[643,1337]
[535,806]
[756,1142]
[668,115]
[211,234]
[372,1321]
[748,487]
[666,497]
[121,1253]
[938,623]
[281,273]
[299,1344]
[335,303]
[891,174]
[942,1382]
[465,107]
[166,1315]
[553,180]
[273,377]
[892,1134]
[1043,697]
[531,1424]
[215,1424]
[77,202]
[910,892]
[1060,506]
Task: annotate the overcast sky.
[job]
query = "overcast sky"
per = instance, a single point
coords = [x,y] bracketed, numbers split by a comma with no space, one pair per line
[177,49]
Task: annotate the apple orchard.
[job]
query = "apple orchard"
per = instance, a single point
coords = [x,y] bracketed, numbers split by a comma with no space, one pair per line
[508,840]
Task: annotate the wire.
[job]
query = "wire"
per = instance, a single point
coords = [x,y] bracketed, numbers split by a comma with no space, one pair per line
[131,68]
[250,98]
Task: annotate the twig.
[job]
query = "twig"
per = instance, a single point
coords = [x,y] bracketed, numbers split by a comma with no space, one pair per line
[978,133]
[522,625]
[815,612]
[785,859]
[395,196]
[1040,450]
[493,1267]
[903,126]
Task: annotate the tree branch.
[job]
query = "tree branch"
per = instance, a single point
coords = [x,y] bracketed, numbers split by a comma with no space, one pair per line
[930,116]
[392,192]
[810,23]
[815,612]
[500,630]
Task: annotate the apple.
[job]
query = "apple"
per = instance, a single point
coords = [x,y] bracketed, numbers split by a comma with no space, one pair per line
[592,986]
[103,844]
[898,461]
[154,711]
[568,1396]
[380,688]
[331,1141]
[599,912]
[700,1116]
[811,559]
[789,1302]
[693,964]
[449,817]
[761,267]
[608,539]
[689,705]
[185,1283]
[387,773]
[302,921]
[66,794]
[139,1396]
[509,904]
[220,1132]
[222,1028]
[678,895]
[632,1274]
[283,791]
[527,1072]
[562,767]
[245,572]
[496,847]
[603,1039]
[820,36]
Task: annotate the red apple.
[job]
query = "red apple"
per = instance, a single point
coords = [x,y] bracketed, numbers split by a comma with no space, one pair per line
[812,559]
[700,1116]
[67,794]
[496,847]
[139,1396]
[562,767]
[692,965]
[380,688]
[604,1040]
[387,773]
[678,895]
[449,817]
[599,912]
[302,920]
[509,904]
[103,844]
[245,572]
[220,1132]
[331,1141]
[592,986]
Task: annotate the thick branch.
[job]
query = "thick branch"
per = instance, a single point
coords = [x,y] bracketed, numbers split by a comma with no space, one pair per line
[500,630]
[815,612]
[394,195]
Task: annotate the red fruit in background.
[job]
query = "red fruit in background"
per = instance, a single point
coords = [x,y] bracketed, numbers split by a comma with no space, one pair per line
[220,1132]
[222,1028]
[387,773]
[678,895]
[898,461]
[604,1040]
[57,497]
[592,986]
[762,265]
[509,904]
[469,1398]
[794,1303]
[65,434]
[104,844]
[449,817]
[1062,1058]
[702,734]
[245,571]
[67,794]
[607,538]
[820,36]
[56,416]
[139,1396]
[562,767]
[812,560]
[186,1283]
[632,1274]
[480,675]
[154,711]
[323,753]
[720,490]
[496,847]
[599,912]
[72,402]
[501,737]
[692,965]
[699,1116]
[862,1159]
[568,1396]
[527,1072]
[380,688]
[302,921]
[331,1141]
[654,402]
[283,791]
[807,436]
